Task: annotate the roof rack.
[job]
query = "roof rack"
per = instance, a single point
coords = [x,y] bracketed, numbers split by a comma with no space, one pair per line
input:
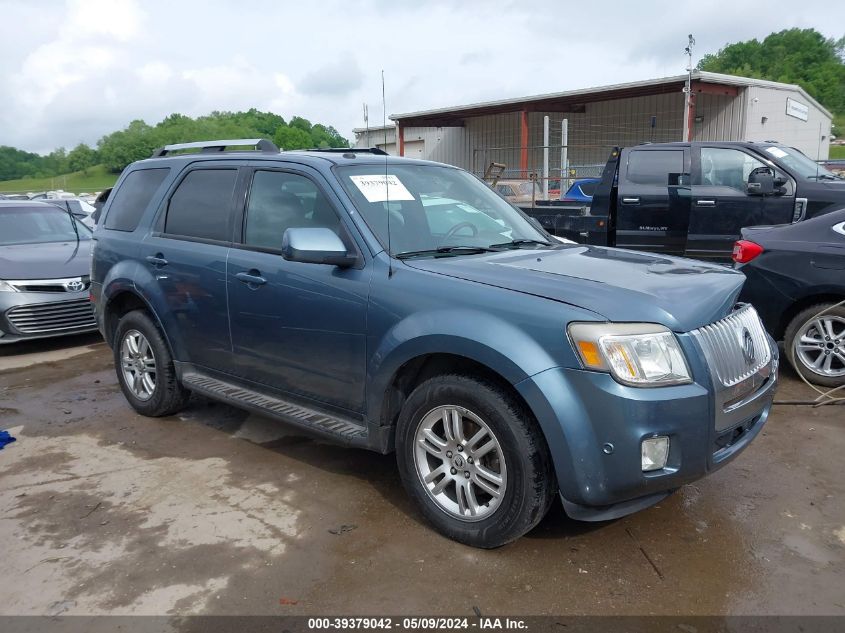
[207,147]
[351,150]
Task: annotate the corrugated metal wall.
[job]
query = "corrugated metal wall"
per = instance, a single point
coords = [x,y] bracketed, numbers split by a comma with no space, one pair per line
[592,133]
[723,117]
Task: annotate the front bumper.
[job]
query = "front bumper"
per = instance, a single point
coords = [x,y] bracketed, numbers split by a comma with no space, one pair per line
[594,427]
[33,315]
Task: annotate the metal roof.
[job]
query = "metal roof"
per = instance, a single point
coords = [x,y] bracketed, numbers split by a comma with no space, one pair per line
[559,101]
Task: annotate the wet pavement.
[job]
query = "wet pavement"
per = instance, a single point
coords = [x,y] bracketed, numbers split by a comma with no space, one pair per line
[217,511]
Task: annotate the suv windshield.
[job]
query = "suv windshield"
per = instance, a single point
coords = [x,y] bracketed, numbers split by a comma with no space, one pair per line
[432,208]
[36,225]
[799,163]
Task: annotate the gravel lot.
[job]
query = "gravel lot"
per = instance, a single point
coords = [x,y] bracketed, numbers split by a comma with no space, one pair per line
[217,511]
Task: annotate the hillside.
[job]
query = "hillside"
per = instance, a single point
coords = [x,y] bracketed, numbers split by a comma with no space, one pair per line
[93,179]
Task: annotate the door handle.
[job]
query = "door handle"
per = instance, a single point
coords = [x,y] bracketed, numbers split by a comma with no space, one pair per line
[705,203]
[157,260]
[252,278]
[630,200]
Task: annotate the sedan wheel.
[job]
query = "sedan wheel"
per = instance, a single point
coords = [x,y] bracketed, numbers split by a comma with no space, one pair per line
[819,346]
[138,365]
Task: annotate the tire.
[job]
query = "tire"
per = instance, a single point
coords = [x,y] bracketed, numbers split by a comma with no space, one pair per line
[161,394]
[519,459]
[827,350]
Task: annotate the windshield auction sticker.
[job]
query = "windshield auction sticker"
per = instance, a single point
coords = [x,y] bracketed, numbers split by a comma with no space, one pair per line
[381,188]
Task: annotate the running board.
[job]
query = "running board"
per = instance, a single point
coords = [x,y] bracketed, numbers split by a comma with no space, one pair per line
[340,428]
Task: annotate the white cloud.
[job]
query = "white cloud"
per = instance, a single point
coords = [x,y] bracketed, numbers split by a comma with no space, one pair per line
[75,70]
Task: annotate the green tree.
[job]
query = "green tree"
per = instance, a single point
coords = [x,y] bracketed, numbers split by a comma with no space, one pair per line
[292,138]
[797,56]
[81,158]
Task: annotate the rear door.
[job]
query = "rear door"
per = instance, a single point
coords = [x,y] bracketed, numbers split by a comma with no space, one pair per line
[721,206]
[653,205]
[187,255]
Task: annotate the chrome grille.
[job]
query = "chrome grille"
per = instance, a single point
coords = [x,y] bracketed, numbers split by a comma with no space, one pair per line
[726,344]
[43,318]
[67,284]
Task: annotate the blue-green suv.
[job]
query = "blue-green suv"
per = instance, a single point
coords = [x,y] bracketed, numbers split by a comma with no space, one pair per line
[401,305]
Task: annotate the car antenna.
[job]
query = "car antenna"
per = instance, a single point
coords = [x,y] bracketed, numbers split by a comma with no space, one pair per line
[386,183]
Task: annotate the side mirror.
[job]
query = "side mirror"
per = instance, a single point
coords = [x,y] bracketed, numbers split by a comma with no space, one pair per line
[761,182]
[316,246]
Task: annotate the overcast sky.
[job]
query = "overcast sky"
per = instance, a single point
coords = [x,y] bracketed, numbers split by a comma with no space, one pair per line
[74,70]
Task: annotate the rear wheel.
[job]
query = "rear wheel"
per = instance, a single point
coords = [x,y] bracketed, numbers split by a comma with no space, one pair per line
[815,345]
[474,461]
[145,368]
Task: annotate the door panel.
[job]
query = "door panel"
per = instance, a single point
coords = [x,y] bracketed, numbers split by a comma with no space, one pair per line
[188,262]
[296,327]
[721,207]
[654,200]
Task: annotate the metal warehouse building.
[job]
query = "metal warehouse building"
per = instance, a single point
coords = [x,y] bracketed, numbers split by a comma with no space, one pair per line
[583,125]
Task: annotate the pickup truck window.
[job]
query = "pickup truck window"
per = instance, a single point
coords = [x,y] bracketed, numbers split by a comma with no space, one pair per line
[723,167]
[201,205]
[281,200]
[799,163]
[650,167]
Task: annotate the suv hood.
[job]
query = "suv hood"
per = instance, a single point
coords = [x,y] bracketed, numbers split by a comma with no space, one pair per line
[682,294]
[50,260]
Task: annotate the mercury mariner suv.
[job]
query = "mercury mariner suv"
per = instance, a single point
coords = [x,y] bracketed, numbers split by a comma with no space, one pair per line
[403,306]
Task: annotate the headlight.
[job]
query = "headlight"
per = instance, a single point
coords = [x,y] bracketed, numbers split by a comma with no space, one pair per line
[5,286]
[637,354]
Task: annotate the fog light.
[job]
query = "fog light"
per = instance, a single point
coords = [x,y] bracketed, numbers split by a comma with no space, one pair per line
[655,451]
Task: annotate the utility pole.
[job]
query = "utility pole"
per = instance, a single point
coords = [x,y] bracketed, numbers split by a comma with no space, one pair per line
[367,126]
[689,104]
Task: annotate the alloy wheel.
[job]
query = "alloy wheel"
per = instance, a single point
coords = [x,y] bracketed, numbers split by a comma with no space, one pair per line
[820,345]
[138,365]
[460,462]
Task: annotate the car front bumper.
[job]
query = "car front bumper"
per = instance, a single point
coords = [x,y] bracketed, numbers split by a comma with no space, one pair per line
[33,315]
[594,427]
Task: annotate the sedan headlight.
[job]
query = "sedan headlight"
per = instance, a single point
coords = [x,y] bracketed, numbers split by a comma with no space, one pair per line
[636,354]
[5,286]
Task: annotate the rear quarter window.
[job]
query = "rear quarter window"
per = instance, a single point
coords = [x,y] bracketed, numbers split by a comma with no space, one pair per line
[131,199]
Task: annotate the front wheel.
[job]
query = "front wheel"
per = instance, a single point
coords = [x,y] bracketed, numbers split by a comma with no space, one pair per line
[474,460]
[815,345]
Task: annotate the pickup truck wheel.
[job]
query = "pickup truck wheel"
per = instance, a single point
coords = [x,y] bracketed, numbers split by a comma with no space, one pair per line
[815,346]
[145,368]
[474,460]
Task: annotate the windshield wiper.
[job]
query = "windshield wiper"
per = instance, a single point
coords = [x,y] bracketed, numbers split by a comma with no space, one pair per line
[519,242]
[447,250]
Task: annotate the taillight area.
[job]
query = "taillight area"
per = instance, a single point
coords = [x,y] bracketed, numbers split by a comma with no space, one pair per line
[745,251]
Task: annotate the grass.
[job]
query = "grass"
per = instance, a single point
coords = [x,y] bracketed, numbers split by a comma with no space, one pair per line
[92,179]
[837,151]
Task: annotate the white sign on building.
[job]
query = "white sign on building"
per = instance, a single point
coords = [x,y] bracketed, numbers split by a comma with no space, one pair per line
[797,109]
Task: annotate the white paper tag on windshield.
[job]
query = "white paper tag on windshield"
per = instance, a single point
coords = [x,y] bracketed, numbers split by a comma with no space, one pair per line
[777,152]
[381,188]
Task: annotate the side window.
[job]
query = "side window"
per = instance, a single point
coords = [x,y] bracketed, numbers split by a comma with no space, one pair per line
[132,198]
[723,167]
[201,205]
[279,201]
[655,167]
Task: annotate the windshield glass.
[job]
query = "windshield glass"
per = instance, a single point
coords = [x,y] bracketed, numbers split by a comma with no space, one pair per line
[797,162]
[432,207]
[36,225]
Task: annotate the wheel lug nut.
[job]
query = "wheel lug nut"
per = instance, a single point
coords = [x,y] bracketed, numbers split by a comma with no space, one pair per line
[448,453]
[454,471]
[460,448]
[469,460]
[466,474]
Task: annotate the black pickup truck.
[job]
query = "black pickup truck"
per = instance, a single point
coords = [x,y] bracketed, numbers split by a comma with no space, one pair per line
[693,199]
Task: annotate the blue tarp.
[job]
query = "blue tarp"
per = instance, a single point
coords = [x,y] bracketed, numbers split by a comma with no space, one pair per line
[5,438]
